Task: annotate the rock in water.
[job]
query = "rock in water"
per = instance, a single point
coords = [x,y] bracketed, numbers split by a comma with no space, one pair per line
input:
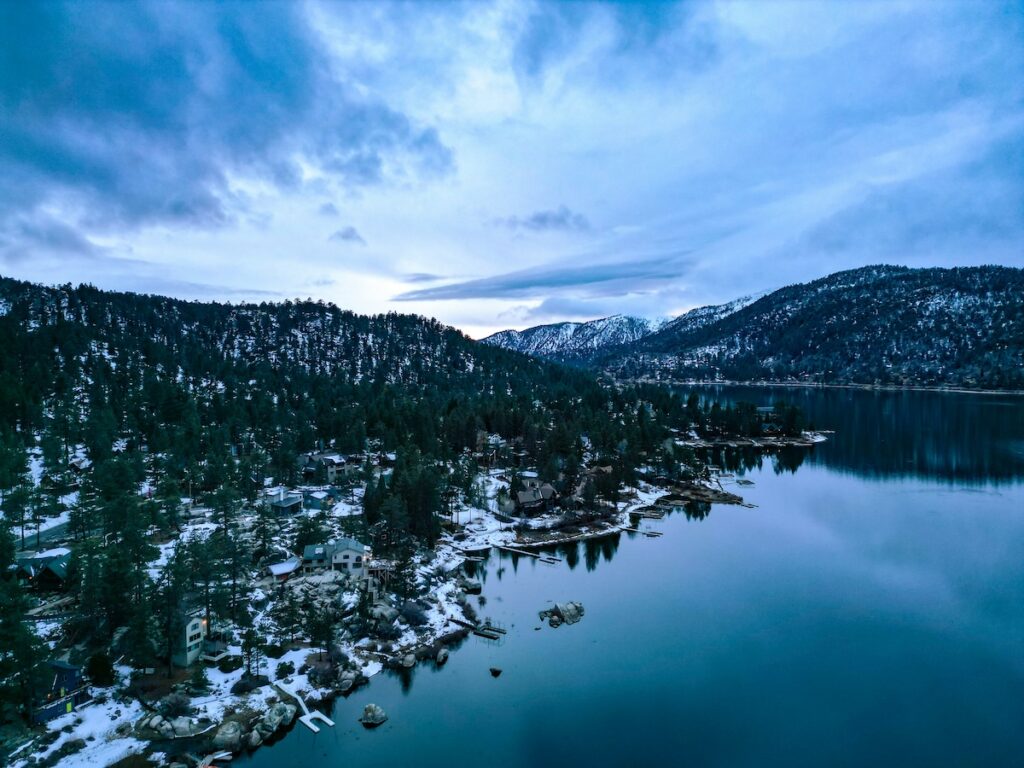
[571,612]
[442,656]
[253,740]
[229,736]
[409,661]
[495,672]
[373,716]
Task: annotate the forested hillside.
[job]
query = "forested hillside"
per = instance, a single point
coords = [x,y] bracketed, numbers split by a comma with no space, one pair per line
[875,325]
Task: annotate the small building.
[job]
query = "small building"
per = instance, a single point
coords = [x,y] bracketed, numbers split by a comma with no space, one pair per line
[281,572]
[190,644]
[347,555]
[44,570]
[67,691]
[284,502]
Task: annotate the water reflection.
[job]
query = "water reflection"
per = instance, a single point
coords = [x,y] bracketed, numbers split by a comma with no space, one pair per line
[956,437]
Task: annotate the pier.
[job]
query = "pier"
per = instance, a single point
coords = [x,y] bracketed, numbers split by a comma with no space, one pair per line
[307,717]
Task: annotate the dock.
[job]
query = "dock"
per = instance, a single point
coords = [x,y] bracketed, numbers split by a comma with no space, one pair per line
[543,557]
[307,717]
[486,630]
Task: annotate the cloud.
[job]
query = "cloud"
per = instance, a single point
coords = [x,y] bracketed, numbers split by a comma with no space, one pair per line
[347,235]
[594,277]
[560,219]
[125,116]
[328,209]
[421,277]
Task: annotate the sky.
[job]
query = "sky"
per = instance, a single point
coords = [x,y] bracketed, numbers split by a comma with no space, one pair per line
[505,164]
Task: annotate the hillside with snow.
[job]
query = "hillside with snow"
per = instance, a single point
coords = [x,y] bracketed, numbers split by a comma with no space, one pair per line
[574,341]
[875,325]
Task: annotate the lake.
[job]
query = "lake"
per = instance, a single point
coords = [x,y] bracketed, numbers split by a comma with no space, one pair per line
[868,611]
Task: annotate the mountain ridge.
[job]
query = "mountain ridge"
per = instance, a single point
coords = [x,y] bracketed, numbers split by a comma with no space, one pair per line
[878,324]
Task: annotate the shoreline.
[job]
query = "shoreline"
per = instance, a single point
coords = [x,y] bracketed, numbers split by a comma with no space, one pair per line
[820,385]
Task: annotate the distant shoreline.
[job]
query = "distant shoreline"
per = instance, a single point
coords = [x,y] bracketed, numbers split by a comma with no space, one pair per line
[816,385]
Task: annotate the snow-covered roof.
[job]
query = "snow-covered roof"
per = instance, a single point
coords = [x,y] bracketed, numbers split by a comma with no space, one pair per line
[283,569]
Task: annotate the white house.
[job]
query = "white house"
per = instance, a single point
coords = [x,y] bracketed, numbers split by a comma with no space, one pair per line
[191,646]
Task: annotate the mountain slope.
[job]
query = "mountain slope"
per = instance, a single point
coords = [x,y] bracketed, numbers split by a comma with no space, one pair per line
[573,341]
[879,324]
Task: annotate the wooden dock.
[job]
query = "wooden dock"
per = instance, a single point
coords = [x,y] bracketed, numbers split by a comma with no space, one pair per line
[543,557]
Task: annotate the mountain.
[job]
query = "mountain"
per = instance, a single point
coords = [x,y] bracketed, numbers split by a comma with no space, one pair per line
[96,366]
[574,341]
[874,325]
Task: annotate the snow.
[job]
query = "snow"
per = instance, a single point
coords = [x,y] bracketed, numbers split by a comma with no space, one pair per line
[100,721]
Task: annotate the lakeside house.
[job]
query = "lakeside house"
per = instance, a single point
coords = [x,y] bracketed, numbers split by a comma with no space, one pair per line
[67,691]
[347,555]
[537,496]
[190,643]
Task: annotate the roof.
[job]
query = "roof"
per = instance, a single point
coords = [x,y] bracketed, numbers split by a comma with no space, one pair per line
[283,569]
[324,551]
[529,496]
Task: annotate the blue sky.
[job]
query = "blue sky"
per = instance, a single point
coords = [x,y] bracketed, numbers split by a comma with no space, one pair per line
[506,164]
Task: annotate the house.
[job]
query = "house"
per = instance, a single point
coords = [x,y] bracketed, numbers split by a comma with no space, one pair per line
[536,496]
[67,691]
[284,502]
[44,570]
[281,572]
[190,644]
[347,555]
[333,466]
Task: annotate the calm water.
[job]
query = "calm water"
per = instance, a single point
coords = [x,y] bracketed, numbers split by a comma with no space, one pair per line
[868,611]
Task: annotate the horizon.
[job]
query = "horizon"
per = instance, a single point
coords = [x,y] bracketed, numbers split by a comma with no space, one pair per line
[501,166]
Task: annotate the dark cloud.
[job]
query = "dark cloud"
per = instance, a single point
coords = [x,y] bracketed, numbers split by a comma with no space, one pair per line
[421,277]
[596,278]
[328,209]
[133,114]
[347,235]
[559,219]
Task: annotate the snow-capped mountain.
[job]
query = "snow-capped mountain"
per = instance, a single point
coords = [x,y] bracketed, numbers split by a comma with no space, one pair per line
[878,324]
[574,341]
[873,325]
[587,341]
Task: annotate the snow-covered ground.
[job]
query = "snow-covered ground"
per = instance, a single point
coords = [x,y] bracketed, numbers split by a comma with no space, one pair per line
[105,726]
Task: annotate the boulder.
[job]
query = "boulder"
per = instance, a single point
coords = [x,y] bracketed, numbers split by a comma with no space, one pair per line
[373,716]
[346,681]
[571,612]
[154,722]
[229,736]
[563,613]
[289,711]
[383,612]
[165,729]
[409,660]
[253,739]
[442,657]
[182,726]
[495,672]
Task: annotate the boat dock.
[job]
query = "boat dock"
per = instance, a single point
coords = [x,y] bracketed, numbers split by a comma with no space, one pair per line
[307,717]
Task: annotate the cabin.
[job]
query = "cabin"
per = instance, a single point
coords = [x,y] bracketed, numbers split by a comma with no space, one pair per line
[536,497]
[189,646]
[347,555]
[284,502]
[281,572]
[47,570]
[67,691]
